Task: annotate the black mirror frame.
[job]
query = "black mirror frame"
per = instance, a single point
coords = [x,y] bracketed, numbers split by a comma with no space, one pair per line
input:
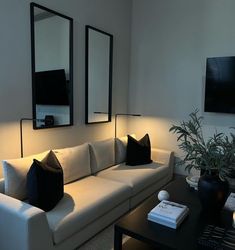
[32,5]
[87,72]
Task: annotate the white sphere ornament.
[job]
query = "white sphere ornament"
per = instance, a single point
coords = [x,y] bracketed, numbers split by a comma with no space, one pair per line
[163,195]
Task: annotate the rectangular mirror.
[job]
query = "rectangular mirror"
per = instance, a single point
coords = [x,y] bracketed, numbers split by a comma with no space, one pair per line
[99,53]
[52,67]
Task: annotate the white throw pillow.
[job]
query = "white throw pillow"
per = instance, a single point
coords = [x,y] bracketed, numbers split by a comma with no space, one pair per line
[15,175]
[102,155]
[75,162]
[120,148]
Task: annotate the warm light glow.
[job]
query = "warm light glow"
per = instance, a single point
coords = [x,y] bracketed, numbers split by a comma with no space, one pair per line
[156,127]
[233,219]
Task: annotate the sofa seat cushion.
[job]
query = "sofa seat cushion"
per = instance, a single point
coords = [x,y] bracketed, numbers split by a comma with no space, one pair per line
[84,201]
[137,177]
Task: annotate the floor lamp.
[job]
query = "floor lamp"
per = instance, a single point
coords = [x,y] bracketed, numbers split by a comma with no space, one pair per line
[122,114]
[47,120]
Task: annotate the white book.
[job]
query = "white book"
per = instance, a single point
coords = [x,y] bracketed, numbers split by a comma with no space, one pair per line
[230,203]
[171,211]
[167,222]
[154,216]
[162,222]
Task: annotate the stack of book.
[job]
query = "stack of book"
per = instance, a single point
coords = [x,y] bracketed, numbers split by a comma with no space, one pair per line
[230,203]
[168,213]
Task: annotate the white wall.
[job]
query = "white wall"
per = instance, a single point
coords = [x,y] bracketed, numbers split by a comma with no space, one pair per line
[15,71]
[170,43]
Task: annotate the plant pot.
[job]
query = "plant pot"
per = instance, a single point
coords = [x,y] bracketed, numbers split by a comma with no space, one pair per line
[212,192]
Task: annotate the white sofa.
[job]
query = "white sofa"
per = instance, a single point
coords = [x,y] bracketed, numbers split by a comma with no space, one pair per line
[99,189]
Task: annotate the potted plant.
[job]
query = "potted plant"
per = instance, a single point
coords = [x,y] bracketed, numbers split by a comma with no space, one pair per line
[214,157]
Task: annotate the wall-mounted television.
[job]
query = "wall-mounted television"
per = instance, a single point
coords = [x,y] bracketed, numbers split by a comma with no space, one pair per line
[51,87]
[220,85]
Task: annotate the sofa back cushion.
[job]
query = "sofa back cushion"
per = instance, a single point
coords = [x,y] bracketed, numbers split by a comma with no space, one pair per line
[120,148]
[15,172]
[75,162]
[102,155]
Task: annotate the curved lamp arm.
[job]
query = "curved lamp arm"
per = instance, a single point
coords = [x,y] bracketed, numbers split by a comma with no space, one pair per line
[47,119]
[122,114]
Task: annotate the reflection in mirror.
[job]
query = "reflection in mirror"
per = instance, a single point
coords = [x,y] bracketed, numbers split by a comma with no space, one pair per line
[52,79]
[99,46]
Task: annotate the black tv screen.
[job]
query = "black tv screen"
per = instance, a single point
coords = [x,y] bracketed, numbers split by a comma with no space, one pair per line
[51,87]
[220,85]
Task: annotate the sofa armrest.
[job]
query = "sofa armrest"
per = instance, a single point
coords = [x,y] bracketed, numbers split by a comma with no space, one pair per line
[23,226]
[164,157]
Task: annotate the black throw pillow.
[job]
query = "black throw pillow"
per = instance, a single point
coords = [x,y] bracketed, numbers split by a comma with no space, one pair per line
[45,184]
[138,152]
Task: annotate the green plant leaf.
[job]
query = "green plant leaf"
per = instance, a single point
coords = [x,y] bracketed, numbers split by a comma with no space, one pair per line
[217,153]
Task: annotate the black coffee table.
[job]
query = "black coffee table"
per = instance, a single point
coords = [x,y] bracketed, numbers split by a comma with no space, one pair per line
[149,235]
